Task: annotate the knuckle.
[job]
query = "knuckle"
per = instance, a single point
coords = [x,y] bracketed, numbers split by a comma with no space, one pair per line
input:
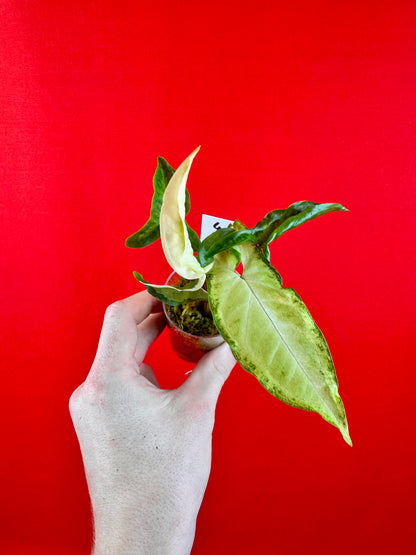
[114,309]
[75,400]
[91,392]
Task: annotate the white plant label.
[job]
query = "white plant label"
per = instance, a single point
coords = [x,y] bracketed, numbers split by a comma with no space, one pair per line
[212,223]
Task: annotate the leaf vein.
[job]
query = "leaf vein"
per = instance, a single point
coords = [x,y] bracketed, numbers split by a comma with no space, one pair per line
[289,349]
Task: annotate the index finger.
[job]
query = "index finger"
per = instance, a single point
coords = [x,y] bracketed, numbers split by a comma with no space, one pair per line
[119,332]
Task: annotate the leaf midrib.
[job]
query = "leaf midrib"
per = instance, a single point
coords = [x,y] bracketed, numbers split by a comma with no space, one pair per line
[312,382]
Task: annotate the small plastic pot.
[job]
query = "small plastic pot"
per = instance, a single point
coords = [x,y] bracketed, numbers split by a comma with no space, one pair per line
[189,347]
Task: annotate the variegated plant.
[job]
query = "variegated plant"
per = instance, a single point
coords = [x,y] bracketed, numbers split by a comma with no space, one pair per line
[269,329]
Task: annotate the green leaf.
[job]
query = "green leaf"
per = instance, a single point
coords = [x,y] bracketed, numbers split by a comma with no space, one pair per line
[221,240]
[193,237]
[272,226]
[278,222]
[150,232]
[272,334]
[173,295]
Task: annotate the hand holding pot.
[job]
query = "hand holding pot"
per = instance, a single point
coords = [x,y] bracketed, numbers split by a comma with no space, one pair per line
[146,451]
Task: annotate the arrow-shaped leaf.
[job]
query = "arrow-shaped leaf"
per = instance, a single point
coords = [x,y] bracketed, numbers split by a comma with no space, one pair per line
[272,226]
[273,335]
[278,222]
[174,234]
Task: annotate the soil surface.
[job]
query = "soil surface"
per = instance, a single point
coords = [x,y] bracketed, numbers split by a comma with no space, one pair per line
[193,317]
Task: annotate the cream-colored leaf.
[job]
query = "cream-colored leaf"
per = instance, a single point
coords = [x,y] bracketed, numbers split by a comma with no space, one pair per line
[173,232]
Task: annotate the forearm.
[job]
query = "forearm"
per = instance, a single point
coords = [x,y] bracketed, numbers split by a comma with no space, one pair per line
[136,538]
[149,511]
[142,529]
[126,547]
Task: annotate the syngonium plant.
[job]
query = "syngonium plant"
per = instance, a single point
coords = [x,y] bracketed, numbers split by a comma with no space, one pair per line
[268,327]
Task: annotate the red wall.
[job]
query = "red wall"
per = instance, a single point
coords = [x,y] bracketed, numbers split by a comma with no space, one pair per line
[290,101]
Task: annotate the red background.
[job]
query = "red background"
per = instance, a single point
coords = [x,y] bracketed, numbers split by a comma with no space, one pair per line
[290,101]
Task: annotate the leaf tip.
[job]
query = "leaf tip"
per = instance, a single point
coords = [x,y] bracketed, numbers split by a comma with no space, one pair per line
[346,435]
[194,152]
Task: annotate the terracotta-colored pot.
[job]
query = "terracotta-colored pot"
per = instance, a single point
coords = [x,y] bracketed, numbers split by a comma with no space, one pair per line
[188,346]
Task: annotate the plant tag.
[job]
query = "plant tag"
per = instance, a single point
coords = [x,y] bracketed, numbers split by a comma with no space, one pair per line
[212,223]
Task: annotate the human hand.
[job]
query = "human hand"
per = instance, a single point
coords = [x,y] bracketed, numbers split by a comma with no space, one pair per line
[146,451]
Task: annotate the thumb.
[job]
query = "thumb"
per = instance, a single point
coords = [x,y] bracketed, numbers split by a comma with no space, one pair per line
[210,373]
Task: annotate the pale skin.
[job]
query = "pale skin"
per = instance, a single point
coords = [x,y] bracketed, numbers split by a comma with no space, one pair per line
[146,451]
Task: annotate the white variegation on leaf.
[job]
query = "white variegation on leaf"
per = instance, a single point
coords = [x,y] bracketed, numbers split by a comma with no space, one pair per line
[268,327]
[173,232]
